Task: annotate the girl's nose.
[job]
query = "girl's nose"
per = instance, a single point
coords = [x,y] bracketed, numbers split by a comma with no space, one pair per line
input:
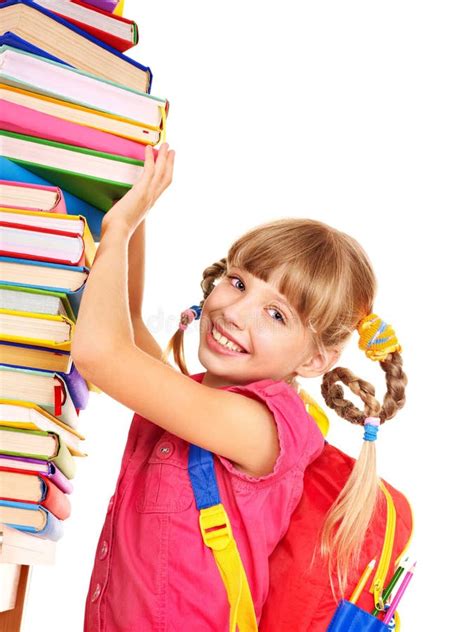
[236,313]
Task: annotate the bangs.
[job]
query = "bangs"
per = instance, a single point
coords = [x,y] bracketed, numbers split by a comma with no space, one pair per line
[312,265]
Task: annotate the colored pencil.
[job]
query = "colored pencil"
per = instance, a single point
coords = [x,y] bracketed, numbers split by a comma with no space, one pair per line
[399,595]
[392,582]
[362,582]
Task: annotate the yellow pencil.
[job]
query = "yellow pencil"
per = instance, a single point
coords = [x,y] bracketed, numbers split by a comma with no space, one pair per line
[362,582]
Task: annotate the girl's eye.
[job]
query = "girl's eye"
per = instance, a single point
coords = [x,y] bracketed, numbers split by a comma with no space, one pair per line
[235,281]
[280,317]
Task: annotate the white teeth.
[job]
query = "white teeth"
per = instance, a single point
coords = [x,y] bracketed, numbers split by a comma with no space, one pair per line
[224,342]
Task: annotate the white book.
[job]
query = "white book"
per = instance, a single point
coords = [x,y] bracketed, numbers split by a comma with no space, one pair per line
[37,74]
[17,547]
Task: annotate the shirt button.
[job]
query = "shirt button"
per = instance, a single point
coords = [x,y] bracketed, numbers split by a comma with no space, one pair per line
[164,450]
[96,593]
[104,549]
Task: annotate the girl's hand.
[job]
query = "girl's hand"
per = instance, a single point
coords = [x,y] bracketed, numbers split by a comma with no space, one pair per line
[132,208]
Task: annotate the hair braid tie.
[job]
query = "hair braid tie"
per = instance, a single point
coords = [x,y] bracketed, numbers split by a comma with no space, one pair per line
[187,317]
[377,338]
[371,428]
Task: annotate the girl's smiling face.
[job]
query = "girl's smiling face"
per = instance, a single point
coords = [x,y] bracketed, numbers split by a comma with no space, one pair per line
[250,332]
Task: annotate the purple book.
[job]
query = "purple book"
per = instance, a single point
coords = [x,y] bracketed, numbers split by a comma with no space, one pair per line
[105,5]
[46,468]
[77,387]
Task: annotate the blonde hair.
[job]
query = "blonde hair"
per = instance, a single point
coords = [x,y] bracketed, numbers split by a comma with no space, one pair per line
[327,277]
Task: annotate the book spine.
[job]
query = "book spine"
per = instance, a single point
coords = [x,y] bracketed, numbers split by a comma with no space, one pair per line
[64,460]
[58,478]
[77,387]
[55,500]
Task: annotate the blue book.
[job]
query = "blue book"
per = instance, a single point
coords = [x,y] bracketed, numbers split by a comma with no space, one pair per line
[31,518]
[14,172]
[36,271]
[30,16]
[10,39]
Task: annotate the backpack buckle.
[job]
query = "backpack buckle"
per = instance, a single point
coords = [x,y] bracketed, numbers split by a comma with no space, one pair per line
[215,527]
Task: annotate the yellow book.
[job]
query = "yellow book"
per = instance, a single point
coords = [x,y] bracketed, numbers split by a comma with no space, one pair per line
[15,413]
[49,331]
[97,119]
[32,357]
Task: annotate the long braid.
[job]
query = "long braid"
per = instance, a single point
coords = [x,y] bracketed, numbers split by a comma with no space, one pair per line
[396,380]
[349,517]
[333,394]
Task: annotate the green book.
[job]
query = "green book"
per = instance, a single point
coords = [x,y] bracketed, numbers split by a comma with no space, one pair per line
[36,444]
[8,302]
[94,176]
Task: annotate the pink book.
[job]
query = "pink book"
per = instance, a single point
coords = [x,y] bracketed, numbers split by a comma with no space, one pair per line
[22,120]
[46,468]
[31,197]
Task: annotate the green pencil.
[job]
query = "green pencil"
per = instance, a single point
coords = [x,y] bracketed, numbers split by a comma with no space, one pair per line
[391,584]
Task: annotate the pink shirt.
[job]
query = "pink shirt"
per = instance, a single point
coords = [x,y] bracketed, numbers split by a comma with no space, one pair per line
[152,570]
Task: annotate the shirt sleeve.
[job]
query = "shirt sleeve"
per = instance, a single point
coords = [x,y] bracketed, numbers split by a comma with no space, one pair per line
[299,437]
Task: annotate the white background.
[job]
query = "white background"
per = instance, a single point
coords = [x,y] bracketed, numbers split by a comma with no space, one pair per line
[359,114]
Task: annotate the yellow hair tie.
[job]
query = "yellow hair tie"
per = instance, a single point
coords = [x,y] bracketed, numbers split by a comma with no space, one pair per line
[377,338]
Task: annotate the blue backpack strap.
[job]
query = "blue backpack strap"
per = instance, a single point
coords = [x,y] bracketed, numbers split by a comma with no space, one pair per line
[203,477]
[217,534]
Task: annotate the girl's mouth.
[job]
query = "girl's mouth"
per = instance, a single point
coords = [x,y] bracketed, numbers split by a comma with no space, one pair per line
[221,344]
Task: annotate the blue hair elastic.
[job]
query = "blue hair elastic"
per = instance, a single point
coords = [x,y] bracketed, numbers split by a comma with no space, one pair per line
[197,310]
[371,428]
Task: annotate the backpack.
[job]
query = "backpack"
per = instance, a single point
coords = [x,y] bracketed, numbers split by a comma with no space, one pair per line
[300,598]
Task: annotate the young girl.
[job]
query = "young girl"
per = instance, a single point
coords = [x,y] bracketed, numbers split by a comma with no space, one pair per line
[281,304]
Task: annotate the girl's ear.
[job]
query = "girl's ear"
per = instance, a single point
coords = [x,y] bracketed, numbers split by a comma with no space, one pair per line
[318,363]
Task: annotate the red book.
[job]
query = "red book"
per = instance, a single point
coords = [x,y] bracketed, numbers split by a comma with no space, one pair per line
[41,244]
[26,487]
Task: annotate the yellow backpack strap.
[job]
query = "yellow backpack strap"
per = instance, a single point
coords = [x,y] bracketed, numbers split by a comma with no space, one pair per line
[315,410]
[217,534]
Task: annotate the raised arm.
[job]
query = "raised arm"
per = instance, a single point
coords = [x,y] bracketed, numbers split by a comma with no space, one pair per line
[136,281]
[105,351]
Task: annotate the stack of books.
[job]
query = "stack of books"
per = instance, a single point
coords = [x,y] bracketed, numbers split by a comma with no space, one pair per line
[75,117]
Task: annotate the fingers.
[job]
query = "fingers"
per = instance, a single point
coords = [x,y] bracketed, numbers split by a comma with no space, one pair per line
[163,169]
[169,168]
[149,164]
[156,175]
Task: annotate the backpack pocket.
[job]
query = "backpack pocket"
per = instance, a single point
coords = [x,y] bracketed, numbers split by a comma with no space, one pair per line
[349,618]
